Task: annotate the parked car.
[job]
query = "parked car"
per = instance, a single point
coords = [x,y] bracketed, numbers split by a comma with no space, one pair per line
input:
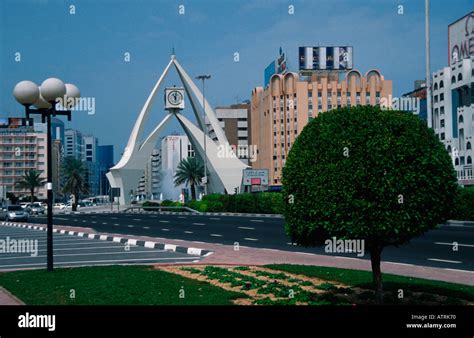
[59,206]
[36,208]
[14,213]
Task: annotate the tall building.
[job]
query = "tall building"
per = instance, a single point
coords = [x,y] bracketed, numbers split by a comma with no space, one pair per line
[90,160]
[453,98]
[419,93]
[74,144]
[149,185]
[106,161]
[174,148]
[453,112]
[234,121]
[281,110]
[21,149]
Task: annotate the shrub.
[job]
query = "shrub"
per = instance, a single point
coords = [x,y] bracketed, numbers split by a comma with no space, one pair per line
[381,176]
[464,205]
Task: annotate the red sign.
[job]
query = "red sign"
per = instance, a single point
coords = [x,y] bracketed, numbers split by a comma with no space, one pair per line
[255,181]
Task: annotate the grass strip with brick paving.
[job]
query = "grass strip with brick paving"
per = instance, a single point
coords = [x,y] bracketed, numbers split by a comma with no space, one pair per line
[112,285]
[419,290]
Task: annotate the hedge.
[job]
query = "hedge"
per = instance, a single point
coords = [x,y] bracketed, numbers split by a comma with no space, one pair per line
[261,203]
[464,205]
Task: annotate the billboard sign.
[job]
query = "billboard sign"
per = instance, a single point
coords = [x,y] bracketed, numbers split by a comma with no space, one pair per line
[461,39]
[277,66]
[326,58]
[255,177]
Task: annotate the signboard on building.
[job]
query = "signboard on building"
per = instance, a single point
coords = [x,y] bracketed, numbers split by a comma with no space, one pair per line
[278,66]
[461,39]
[325,58]
[255,177]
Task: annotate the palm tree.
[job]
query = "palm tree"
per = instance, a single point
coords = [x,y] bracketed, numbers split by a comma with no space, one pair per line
[73,171]
[30,181]
[189,171]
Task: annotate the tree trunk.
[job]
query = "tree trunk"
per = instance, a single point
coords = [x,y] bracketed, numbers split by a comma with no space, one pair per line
[32,191]
[375,257]
[193,192]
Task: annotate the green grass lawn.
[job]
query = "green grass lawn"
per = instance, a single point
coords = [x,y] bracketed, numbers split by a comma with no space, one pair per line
[111,285]
[363,279]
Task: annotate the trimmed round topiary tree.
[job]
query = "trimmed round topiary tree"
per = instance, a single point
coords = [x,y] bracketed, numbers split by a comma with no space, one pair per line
[363,173]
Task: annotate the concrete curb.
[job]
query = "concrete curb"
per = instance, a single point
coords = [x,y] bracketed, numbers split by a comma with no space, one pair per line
[204,213]
[117,239]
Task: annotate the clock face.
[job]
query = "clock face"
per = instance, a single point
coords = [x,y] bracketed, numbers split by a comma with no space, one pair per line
[175,97]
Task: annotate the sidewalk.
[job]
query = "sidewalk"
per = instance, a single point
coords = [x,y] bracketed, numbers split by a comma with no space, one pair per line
[228,255]
[6,298]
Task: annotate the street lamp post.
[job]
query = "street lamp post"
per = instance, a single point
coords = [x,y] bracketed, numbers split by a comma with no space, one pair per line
[44,99]
[203,78]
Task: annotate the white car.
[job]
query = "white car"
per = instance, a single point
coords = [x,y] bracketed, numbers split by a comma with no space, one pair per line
[59,206]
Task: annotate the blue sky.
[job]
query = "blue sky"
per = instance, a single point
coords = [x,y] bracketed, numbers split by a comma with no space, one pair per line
[88,48]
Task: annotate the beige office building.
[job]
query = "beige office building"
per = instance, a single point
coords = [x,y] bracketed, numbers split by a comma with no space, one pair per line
[281,110]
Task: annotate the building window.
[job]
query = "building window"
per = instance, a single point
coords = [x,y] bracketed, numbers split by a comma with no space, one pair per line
[436,98]
[461,119]
[442,123]
[453,79]
[441,84]
[310,93]
[441,97]
[469,160]
[442,136]
[456,161]
[460,77]
[436,86]
[468,145]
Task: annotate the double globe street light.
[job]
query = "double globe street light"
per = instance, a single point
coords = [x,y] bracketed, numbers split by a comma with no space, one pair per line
[44,98]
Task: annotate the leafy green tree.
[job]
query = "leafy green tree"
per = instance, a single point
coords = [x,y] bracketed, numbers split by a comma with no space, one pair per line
[189,171]
[75,184]
[30,181]
[381,176]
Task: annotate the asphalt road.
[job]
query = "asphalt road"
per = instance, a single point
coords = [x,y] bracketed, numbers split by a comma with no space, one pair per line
[433,249]
[76,251]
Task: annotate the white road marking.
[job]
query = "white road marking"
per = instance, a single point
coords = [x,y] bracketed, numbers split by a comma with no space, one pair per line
[215,235]
[452,244]
[181,217]
[146,227]
[188,232]
[130,226]
[165,229]
[136,219]
[251,239]
[215,218]
[164,221]
[444,260]
[116,224]
[246,228]
[199,223]
[113,218]
[94,222]
[404,264]
[256,220]
[104,222]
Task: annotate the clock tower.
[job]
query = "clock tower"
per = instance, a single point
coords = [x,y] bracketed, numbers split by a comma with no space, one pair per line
[174,99]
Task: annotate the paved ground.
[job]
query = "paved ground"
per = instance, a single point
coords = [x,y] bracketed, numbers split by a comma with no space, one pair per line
[75,251]
[434,249]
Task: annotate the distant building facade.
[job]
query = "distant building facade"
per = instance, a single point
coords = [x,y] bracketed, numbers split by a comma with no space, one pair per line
[280,111]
